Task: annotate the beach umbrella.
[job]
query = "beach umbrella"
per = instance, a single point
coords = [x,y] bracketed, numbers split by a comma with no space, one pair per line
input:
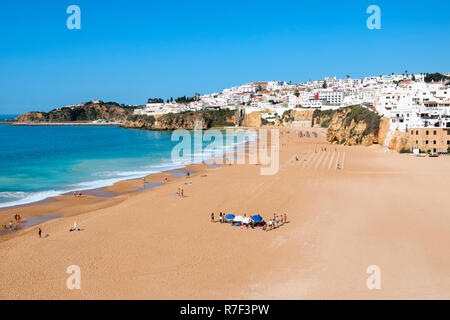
[238,219]
[229,216]
[246,220]
[257,218]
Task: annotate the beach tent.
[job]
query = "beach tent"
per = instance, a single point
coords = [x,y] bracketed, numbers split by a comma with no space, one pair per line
[229,217]
[257,218]
[246,220]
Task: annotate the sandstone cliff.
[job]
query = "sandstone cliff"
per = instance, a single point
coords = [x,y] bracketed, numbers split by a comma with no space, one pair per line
[400,141]
[252,119]
[89,111]
[353,125]
[185,120]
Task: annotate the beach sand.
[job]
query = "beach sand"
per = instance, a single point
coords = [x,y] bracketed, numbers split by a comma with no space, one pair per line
[380,208]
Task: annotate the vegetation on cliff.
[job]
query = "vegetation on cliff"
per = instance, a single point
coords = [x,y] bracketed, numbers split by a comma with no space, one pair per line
[89,111]
[435,77]
[352,125]
[183,120]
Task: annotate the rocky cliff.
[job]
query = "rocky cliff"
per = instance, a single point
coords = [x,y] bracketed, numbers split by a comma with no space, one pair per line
[252,119]
[185,120]
[400,141]
[355,125]
[89,111]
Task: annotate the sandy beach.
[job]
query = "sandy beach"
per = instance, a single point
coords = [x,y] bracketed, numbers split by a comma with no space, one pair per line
[380,208]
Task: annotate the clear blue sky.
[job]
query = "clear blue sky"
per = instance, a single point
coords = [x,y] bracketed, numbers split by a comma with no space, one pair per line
[128,51]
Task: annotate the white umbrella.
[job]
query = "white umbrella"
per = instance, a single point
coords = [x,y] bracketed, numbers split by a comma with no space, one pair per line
[238,219]
[246,220]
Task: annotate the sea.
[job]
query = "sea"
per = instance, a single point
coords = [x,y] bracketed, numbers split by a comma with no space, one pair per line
[38,162]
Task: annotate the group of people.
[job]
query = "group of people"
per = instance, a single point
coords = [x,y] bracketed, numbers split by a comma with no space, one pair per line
[271,224]
[276,221]
[18,220]
[180,192]
[10,227]
[77,194]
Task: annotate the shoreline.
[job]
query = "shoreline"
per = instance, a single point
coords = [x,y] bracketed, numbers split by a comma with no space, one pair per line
[56,193]
[124,186]
[36,124]
[153,245]
[109,195]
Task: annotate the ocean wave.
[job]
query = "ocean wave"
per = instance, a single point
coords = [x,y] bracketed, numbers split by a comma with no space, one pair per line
[107,178]
[21,198]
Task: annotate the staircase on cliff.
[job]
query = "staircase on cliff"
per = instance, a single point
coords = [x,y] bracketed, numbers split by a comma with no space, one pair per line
[389,135]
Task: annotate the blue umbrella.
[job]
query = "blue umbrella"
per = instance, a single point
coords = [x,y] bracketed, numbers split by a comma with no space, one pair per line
[257,218]
[229,216]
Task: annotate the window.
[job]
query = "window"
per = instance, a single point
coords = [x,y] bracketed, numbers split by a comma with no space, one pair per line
[426,141]
[435,132]
[417,132]
[427,132]
[412,132]
[417,141]
[448,142]
[434,142]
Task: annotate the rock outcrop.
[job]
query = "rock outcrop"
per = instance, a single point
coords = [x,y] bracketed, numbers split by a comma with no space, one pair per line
[185,120]
[400,141]
[90,111]
[353,125]
[252,119]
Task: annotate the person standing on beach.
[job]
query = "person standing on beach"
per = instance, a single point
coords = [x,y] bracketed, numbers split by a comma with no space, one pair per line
[212,217]
[10,226]
[182,193]
[40,233]
[220,218]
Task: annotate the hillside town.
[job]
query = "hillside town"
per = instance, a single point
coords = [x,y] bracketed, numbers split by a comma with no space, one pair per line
[418,104]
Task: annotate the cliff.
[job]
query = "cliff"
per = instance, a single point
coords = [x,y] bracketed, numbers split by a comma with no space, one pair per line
[89,111]
[254,119]
[185,120]
[353,125]
[400,141]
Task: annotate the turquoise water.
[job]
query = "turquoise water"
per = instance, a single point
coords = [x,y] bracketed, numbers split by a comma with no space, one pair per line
[43,161]
[8,116]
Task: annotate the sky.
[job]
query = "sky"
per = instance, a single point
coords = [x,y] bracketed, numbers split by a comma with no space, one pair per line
[129,51]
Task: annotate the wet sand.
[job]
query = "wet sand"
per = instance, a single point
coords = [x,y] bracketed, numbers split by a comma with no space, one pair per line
[379,208]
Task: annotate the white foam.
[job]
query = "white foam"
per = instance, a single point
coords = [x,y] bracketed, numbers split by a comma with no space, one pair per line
[27,197]
[116,176]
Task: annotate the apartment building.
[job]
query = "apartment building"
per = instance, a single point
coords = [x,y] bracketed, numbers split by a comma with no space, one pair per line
[430,139]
